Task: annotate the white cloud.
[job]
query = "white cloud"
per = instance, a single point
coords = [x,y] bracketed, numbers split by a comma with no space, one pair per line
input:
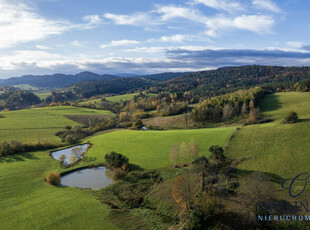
[20,24]
[294,44]
[223,5]
[255,23]
[28,57]
[120,43]
[161,49]
[267,5]
[92,19]
[170,12]
[77,43]
[40,47]
[137,19]
[174,38]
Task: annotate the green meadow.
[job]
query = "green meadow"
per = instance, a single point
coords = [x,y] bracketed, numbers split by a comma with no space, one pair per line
[126,97]
[28,202]
[117,98]
[25,87]
[150,149]
[32,124]
[42,95]
[281,149]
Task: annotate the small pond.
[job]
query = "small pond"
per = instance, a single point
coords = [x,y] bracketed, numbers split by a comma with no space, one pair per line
[87,178]
[67,152]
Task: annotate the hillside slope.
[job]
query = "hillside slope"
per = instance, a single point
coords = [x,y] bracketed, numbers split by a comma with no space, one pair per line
[280,149]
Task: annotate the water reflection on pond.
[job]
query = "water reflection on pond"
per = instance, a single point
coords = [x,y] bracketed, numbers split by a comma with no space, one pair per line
[88,178]
[66,154]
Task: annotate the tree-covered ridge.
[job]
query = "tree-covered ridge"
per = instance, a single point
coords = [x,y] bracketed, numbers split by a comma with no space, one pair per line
[203,84]
[116,86]
[17,99]
[229,79]
[226,106]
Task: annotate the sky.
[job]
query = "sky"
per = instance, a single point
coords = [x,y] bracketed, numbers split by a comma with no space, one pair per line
[144,37]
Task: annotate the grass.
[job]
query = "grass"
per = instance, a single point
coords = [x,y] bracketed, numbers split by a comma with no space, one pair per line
[32,124]
[177,121]
[43,95]
[115,99]
[25,87]
[28,202]
[150,149]
[126,97]
[281,149]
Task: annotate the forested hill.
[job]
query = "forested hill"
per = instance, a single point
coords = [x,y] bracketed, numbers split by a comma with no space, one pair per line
[55,80]
[229,79]
[65,80]
[203,84]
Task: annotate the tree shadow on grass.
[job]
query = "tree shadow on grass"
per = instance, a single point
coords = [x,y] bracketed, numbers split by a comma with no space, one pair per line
[18,157]
[302,120]
[273,177]
[133,167]
[273,103]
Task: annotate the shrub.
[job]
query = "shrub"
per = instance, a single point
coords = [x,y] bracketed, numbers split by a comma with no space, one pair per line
[137,124]
[53,178]
[118,173]
[291,117]
[76,128]
[70,139]
[115,159]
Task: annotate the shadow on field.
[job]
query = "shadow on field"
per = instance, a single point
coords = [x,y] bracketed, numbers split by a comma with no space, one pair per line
[18,157]
[273,103]
[133,167]
[303,120]
[273,177]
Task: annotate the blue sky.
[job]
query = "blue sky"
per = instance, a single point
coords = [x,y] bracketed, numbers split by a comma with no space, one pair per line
[143,36]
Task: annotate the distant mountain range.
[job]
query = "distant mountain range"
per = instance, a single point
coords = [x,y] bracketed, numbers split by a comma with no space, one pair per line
[64,80]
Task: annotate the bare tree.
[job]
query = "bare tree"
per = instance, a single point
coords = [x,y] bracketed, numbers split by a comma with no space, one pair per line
[254,188]
[76,154]
[227,112]
[193,149]
[186,118]
[174,154]
[62,158]
[184,189]
[244,109]
[183,153]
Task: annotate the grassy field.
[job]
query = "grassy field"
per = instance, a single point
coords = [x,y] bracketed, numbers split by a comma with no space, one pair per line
[281,149]
[42,95]
[177,121]
[118,98]
[25,87]
[28,202]
[150,149]
[32,124]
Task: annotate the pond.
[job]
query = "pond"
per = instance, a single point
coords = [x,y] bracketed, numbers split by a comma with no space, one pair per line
[67,153]
[88,178]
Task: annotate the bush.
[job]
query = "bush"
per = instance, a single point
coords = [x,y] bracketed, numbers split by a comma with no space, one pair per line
[70,139]
[137,124]
[116,160]
[53,178]
[118,173]
[15,147]
[291,117]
